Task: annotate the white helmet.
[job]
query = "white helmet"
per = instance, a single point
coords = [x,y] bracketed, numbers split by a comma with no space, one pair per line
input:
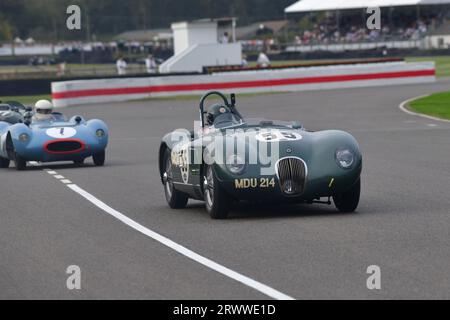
[44,109]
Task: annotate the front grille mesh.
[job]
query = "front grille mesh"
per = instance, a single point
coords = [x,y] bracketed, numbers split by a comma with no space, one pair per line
[292,176]
[64,146]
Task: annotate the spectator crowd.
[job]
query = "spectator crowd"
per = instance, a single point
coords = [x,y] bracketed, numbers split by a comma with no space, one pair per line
[329,31]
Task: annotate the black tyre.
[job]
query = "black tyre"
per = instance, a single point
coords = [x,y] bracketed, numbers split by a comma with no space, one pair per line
[4,163]
[21,163]
[348,202]
[79,162]
[99,159]
[175,199]
[217,201]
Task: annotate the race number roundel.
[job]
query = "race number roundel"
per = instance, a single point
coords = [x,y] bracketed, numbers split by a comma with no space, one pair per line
[278,135]
[61,133]
[184,162]
[180,158]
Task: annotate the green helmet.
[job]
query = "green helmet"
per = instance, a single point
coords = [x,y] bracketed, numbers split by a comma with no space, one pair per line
[214,111]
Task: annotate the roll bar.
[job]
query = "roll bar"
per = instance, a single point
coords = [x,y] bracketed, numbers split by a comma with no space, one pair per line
[231,105]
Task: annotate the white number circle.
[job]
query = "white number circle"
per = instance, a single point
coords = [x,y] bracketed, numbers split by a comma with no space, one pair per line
[278,135]
[61,133]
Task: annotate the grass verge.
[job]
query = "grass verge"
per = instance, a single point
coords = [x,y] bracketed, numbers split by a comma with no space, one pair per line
[27,99]
[436,105]
[442,64]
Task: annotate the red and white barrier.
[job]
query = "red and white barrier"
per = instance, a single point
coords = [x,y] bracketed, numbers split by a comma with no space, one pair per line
[78,92]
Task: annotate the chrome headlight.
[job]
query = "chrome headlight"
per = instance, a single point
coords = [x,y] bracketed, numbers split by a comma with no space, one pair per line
[235,164]
[24,137]
[345,158]
[100,133]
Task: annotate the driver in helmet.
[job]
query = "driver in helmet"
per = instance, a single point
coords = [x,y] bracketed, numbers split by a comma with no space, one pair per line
[43,111]
[215,112]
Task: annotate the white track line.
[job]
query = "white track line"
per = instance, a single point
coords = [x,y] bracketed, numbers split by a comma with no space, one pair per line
[258,286]
[403,105]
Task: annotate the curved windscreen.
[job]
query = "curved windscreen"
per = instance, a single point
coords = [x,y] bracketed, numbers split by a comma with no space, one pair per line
[261,122]
[54,117]
[227,120]
[230,120]
[16,104]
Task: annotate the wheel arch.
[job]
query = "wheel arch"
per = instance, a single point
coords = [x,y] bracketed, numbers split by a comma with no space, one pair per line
[162,150]
[9,146]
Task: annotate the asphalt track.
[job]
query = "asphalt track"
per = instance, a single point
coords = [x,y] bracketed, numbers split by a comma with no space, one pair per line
[305,252]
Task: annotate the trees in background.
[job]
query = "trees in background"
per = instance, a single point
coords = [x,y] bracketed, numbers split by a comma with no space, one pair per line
[10,11]
[45,19]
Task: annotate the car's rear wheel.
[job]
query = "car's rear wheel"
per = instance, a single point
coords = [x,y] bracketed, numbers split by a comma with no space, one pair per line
[99,159]
[4,163]
[21,163]
[175,199]
[348,202]
[217,201]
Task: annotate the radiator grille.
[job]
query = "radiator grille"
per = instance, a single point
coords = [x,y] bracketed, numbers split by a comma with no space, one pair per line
[292,176]
[63,147]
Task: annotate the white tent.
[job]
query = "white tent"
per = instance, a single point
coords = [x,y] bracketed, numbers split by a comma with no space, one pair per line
[30,41]
[332,5]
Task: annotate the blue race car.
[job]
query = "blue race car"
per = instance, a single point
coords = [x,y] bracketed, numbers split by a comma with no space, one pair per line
[25,136]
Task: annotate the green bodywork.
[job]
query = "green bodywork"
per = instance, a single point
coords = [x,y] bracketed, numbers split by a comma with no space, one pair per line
[325,178]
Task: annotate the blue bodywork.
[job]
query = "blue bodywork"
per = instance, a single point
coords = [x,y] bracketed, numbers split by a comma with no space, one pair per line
[53,140]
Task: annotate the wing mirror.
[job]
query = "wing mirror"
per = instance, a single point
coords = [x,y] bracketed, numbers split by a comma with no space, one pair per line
[297,125]
[28,109]
[78,119]
[233,100]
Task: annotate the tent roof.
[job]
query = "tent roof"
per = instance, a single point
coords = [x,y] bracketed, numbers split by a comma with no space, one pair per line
[332,5]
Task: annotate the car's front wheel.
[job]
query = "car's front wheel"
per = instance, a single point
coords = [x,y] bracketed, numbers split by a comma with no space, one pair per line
[217,201]
[348,202]
[99,159]
[78,162]
[4,163]
[21,163]
[175,199]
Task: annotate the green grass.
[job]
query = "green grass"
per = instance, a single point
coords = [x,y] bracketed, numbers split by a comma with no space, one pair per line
[442,64]
[27,99]
[196,97]
[436,105]
[282,63]
[72,70]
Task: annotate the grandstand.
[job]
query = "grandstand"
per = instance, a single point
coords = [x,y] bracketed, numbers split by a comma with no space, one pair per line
[337,25]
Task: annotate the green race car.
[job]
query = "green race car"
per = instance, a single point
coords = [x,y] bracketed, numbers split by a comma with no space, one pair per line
[228,159]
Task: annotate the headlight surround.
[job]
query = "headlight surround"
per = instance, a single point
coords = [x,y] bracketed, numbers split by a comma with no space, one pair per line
[100,133]
[24,137]
[345,158]
[236,164]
